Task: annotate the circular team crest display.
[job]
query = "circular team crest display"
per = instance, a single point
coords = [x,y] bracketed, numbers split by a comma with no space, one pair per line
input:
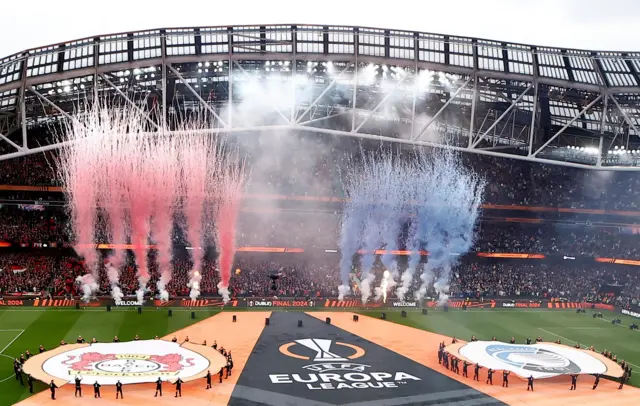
[128,362]
[537,360]
[533,359]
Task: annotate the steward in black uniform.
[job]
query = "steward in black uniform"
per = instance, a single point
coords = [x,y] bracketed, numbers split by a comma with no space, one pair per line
[178,384]
[53,387]
[490,376]
[96,390]
[158,388]
[530,383]
[574,381]
[119,390]
[78,387]
[476,373]
[30,382]
[505,379]
[208,378]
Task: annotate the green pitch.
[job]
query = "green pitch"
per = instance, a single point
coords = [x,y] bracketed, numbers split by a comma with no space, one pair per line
[568,326]
[22,329]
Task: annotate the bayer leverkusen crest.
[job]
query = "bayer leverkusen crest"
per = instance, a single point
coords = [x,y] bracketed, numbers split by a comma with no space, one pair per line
[127,362]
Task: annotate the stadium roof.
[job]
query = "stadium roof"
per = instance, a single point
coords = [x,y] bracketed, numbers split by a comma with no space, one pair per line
[431,89]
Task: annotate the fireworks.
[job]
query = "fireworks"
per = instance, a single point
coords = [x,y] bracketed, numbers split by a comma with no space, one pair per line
[433,195]
[138,182]
[230,183]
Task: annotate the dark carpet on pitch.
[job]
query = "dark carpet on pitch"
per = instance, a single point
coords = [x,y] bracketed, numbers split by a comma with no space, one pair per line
[339,368]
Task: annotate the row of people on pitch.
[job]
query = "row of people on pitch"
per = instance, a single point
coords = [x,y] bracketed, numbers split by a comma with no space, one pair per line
[120,395]
[628,370]
[451,362]
[511,341]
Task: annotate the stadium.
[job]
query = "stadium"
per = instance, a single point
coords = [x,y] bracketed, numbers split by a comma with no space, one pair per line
[553,133]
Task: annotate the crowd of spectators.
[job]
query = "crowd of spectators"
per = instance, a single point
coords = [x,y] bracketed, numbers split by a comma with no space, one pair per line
[299,275]
[305,168]
[27,226]
[313,168]
[320,230]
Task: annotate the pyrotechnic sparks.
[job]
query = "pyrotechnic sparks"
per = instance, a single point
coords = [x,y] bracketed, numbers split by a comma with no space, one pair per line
[197,152]
[434,195]
[136,180]
[230,181]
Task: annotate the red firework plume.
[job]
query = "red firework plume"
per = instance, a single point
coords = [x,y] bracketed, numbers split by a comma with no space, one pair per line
[230,182]
[80,169]
[165,181]
[139,193]
[198,152]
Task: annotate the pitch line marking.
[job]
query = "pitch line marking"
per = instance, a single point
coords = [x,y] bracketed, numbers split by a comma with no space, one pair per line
[7,346]
[571,341]
[12,341]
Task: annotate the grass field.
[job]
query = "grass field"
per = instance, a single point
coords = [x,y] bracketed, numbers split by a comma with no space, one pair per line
[22,329]
[567,325]
[27,329]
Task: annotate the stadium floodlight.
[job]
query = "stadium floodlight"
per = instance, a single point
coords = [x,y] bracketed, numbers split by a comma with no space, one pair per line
[137,71]
[67,89]
[199,64]
[199,70]
[206,64]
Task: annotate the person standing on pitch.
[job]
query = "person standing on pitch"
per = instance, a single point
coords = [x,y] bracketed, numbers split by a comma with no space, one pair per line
[221,372]
[208,378]
[574,380]
[505,379]
[158,388]
[78,387]
[19,374]
[623,378]
[119,390]
[530,383]
[30,382]
[96,390]
[178,384]
[53,387]
[490,376]
[476,373]
[465,365]
[596,382]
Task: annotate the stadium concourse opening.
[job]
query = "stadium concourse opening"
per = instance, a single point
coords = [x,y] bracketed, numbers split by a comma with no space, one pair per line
[333,360]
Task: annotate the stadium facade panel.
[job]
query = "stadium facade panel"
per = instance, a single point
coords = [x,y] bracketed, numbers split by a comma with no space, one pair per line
[551,105]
